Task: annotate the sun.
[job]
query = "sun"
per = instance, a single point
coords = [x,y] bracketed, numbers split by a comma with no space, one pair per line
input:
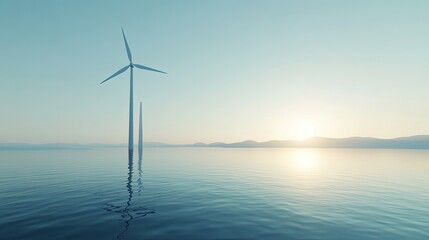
[304,130]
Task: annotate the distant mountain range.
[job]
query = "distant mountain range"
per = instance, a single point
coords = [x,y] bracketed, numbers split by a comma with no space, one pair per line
[413,142]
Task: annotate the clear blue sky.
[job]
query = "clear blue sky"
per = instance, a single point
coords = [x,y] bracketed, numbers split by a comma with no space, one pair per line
[238,70]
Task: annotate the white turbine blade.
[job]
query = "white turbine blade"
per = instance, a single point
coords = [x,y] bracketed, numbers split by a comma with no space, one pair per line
[148,68]
[117,73]
[126,46]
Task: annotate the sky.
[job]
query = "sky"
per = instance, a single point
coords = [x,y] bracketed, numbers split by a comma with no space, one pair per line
[237,69]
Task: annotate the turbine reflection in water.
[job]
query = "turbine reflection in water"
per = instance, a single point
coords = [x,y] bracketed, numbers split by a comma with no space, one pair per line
[139,181]
[128,213]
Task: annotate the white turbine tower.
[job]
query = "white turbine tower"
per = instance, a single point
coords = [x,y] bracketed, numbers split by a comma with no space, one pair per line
[131,65]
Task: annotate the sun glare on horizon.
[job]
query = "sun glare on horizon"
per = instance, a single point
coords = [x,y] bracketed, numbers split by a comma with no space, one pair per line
[304,130]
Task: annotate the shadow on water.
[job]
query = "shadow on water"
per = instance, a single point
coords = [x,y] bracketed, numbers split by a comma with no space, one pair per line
[128,212]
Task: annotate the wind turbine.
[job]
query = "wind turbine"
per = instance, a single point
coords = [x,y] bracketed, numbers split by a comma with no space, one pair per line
[131,65]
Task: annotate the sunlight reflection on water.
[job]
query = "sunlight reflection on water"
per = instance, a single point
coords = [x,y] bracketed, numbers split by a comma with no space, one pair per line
[305,160]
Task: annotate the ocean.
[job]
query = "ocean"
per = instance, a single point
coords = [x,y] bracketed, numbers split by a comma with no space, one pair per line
[215,193]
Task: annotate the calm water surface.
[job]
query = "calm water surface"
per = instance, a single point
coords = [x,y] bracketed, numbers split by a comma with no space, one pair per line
[215,193]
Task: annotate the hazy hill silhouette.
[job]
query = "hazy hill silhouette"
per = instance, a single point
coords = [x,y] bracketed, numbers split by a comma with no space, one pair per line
[413,142]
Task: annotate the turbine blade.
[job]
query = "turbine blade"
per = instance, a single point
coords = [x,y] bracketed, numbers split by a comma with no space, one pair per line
[126,46]
[148,68]
[117,73]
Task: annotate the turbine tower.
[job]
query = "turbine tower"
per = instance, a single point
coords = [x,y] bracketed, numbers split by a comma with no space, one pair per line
[131,65]
[140,133]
